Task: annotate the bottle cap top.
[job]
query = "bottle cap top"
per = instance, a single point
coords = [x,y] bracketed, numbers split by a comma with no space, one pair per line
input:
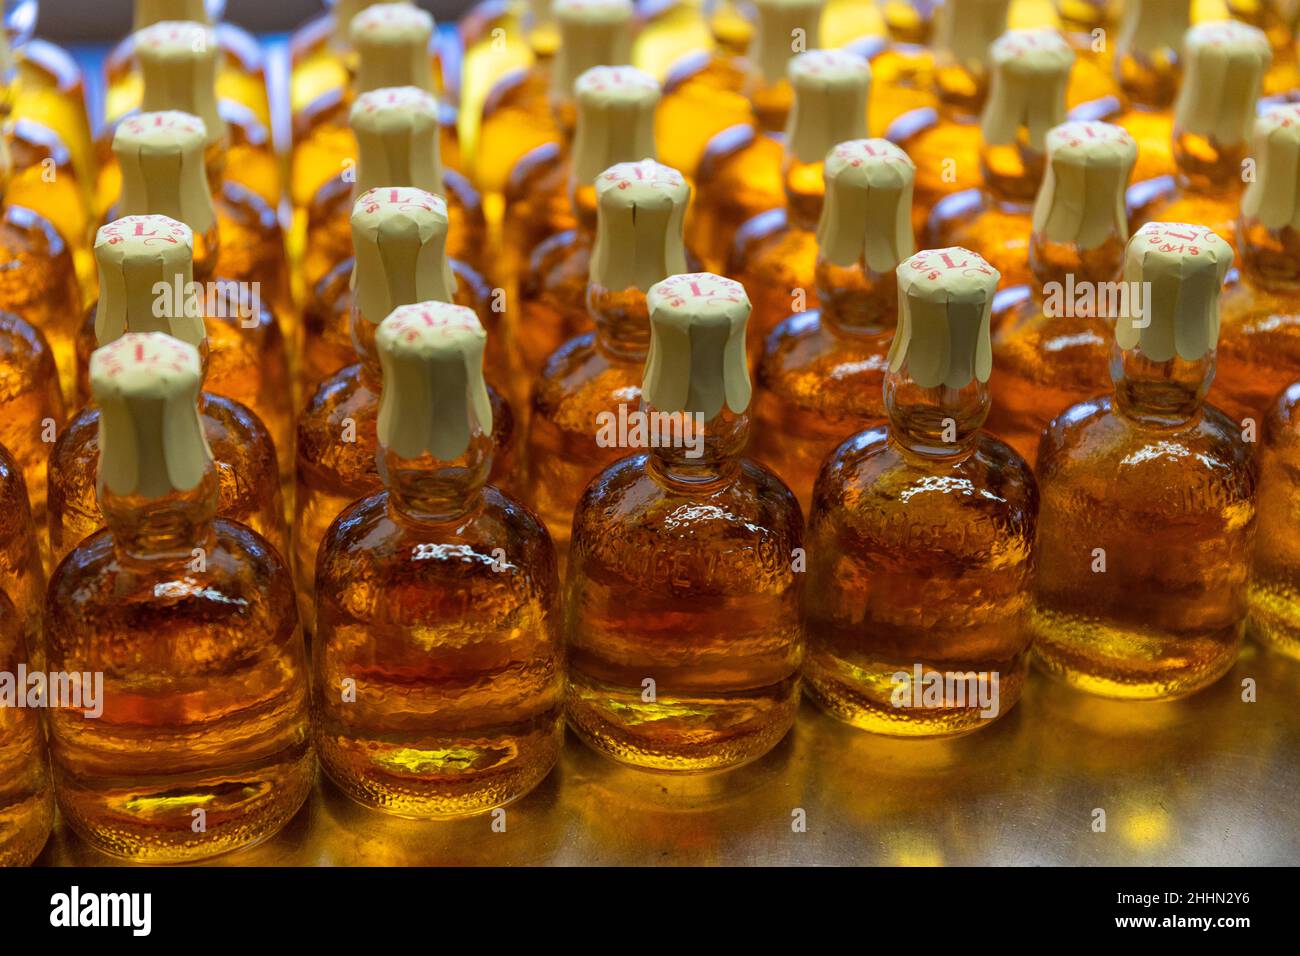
[1148,26]
[1081,199]
[616,119]
[392,44]
[696,361]
[639,213]
[178,68]
[149,12]
[1224,65]
[965,29]
[830,102]
[592,33]
[777,24]
[1180,268]
[151,439]
[397,139]
[163,171]
[146,273]
[1273,198]
[945,299]
[434,396]
[399,234]
[867,215]
[343,12]
[1031,69]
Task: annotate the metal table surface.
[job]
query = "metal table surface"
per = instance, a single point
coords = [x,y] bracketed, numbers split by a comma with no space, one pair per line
[1210,780]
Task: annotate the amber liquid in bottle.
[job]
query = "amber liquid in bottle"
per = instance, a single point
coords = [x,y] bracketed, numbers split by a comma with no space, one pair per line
[202,745]
[682,595]
[26,797]
[1273,597]
[437,663]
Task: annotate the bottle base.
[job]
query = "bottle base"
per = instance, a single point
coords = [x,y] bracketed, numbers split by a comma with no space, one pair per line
[681,735]
[1125,663]
[159,826]
[1273,618]
[443,779]
[869,699]
[24,828]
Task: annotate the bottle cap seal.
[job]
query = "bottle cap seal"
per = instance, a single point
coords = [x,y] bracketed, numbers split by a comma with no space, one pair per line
[830,102]
[392,44]
[945,300]
[696,361]
[163,169]
[640,208]
[1224,66]
[867,215]
[149,12]
[146,273]
[1183,267]
[434,396]
[616,119]
[1081,199]
[397,139]
[178,69]
[151,439]
[592,33]
[1031,69]
[1273,198]
[965,29]
[399,234]
[776,26]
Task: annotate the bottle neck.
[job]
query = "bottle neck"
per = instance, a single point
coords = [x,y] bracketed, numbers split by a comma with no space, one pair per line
[909,21]
[1012,172]
[937,423]
[1063,265]
[428,490]
[961,93]
[207,248]
[805,192]
[1270,257]
[1159,394]
[583,198]
[622,322]
[1149,79]
[1207,166]
[693,452]
[166,529]
[856,301]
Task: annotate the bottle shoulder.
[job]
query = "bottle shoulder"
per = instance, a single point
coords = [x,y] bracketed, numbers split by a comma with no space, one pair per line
[580,379]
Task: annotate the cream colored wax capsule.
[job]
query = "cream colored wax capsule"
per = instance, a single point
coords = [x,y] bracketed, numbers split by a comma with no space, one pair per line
[592,33]
[616,120]
[178,63]
[164,173]
[392,44]
[141,259]
[150,437]
[945,299]
[397,139]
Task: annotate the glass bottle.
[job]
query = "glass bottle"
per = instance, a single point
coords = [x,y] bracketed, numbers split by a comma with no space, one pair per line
[774,255]
[178,65]
[944,143]
[139,256]
[593,33]
[1273,594]
[821,374]
[1278,21]
[22,575]
[1053,349]
[1149,69]
[400,235]
[1148,497]
[203,742]
[1224,63]
[517,115]
[1259,335]
[1030,72]
[163,173]
[386,45]
[38,279]
[682,592]
[397,144]
[437,661]
[1086,25]
[594,377]
[902,71]
[26,797]
[921,534]
[738,173]
[615,125]
[31,405]
[241,76]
